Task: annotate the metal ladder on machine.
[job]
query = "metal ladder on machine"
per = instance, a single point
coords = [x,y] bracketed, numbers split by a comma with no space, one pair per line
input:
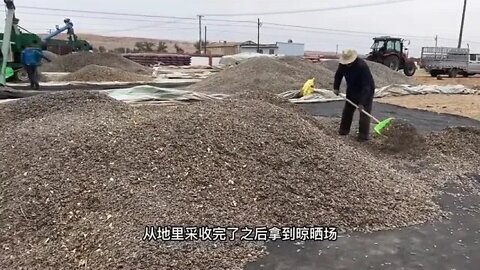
[6,49]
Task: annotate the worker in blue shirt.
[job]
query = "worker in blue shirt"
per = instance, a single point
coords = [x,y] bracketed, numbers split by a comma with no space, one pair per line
[31,59]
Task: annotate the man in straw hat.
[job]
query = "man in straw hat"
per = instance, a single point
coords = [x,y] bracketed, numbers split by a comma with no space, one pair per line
[360,90]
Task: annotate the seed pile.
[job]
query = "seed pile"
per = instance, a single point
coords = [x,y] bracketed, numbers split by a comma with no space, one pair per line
[382,75]
[95,73]
[76,61]
[401,136]
[438,158]
[264,74]
[459,142]
[84,174]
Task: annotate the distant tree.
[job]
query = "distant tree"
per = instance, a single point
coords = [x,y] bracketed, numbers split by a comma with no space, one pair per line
[144,46]
[102,49]
[120,50]
[128,50]
[139,46]
[162,47]
[178,49]
[149,46]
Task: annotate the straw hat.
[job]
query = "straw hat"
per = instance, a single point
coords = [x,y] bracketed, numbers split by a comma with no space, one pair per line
[348,56]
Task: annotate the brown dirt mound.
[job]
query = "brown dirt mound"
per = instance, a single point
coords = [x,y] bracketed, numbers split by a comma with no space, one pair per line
[382,75]
[82,179]
[401,136]
[76,61]
[95,73]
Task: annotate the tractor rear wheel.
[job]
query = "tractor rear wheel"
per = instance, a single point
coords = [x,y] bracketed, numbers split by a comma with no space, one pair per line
[21,76]
[392,62]
[409,69]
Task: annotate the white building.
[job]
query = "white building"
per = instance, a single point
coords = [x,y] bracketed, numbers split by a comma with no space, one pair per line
[252,47]
[280,48]
[291,49]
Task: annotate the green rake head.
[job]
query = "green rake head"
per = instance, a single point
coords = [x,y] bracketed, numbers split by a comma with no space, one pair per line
[382,125]
[9,72]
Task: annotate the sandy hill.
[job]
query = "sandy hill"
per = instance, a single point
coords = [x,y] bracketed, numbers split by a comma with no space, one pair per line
[112,42]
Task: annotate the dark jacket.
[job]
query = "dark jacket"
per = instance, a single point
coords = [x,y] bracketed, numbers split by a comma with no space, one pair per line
[32,57]
[360,83]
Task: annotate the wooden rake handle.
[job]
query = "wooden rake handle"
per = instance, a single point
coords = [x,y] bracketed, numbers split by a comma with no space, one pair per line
[356,106]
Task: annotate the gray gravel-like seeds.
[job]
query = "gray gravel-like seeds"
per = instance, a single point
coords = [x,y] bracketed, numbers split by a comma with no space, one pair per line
[82,175]
[95,73]
[270,75]
[76,61]
[401,136]
[267,75]
[382,75]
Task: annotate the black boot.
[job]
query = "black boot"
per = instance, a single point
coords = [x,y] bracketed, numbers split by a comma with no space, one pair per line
[363,138]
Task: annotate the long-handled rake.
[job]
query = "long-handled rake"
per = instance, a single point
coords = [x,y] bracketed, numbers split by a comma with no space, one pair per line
[381,125]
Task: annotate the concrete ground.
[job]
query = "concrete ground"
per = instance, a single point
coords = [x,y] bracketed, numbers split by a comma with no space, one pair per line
[442,245]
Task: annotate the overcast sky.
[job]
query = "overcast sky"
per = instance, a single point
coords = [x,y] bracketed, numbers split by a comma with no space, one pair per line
[417,20]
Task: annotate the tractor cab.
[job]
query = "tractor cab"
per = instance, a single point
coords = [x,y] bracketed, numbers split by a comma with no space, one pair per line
[387,44]
[384,46]
[391,52]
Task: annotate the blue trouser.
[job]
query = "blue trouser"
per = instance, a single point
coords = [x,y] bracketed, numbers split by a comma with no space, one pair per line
[32,75]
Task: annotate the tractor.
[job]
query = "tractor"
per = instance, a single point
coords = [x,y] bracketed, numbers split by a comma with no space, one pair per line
[392,53]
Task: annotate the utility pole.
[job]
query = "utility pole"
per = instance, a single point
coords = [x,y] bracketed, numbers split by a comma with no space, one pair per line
[205,39]
[336,51]
[200,33]
[436,45]
[7,34]
[461,26]
[258,35]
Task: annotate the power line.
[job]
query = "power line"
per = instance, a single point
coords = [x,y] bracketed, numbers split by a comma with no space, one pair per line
[309,10]
[340,30]
[156,22]
[177,21]
[106,13]
[143,27]
[92,17]
[235,23]
[120,14]
[349,32]
[254,23]
[156,30]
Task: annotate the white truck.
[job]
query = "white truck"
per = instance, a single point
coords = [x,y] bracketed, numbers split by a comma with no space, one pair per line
[450,61]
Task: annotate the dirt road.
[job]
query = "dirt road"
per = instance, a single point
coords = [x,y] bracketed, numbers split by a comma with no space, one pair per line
[422,77]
